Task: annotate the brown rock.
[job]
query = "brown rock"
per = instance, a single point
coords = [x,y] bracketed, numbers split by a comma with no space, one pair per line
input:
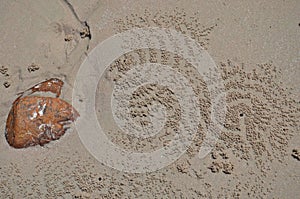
[35,120]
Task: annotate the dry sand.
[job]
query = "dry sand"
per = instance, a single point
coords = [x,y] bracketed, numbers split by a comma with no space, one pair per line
[255,46]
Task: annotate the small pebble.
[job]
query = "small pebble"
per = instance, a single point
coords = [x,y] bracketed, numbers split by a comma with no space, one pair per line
[6,84]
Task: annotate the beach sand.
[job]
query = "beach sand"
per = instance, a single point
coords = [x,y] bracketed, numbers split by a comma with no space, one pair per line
[255,46]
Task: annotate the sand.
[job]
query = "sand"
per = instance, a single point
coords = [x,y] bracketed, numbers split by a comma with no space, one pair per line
[255,46]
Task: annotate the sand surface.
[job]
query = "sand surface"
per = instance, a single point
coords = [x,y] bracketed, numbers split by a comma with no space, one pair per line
[255,45]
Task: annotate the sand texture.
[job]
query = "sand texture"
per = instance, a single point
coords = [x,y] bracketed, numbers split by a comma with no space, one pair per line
[255,46]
